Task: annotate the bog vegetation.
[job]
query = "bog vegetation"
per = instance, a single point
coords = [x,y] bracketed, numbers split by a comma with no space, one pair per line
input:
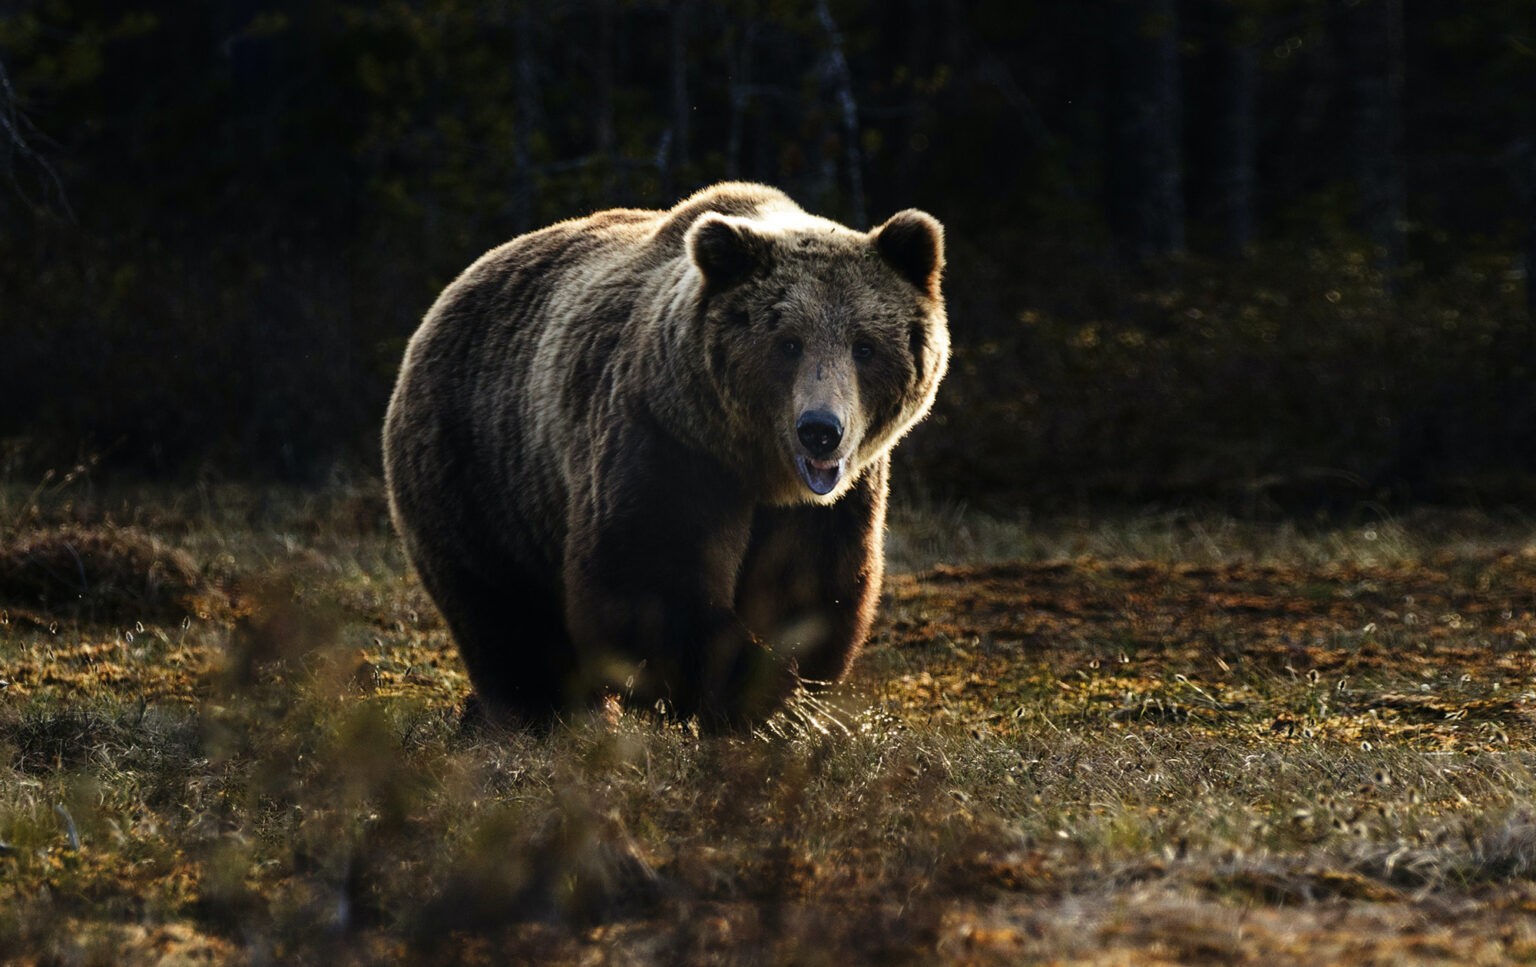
[229,729]
[1271,259]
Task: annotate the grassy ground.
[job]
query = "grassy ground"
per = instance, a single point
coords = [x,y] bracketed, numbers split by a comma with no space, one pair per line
[228,732]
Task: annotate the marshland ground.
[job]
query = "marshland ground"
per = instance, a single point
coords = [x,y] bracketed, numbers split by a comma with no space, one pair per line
[229,733]
[229,716]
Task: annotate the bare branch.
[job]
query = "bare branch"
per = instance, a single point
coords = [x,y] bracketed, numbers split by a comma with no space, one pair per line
[17,154]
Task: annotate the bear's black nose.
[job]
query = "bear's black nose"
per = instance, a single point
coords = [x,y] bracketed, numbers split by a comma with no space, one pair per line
[819,431]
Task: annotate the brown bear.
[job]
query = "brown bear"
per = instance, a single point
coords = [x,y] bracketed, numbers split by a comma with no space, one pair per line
[646,452]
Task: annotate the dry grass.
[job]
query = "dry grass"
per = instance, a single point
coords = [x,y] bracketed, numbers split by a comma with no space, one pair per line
[1152,740]
[101,574]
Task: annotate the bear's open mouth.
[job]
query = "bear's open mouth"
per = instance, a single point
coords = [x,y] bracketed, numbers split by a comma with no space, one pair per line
[819,475]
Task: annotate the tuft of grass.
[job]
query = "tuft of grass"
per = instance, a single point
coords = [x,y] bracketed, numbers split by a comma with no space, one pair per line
[102,573]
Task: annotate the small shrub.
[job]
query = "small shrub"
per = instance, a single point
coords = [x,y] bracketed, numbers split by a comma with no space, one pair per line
[101,573]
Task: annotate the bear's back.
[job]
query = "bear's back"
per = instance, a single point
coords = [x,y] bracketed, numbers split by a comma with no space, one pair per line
[739,198]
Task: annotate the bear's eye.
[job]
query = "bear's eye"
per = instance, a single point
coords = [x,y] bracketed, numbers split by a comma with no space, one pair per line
[863,350]
[738,317]
[790,347]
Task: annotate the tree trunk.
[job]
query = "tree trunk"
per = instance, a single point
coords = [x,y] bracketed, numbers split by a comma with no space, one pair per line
[1146,185]
[1530,240]
[839,79]
[741,96]
[603,80]
[1371,45]
[676,155]
[524,119]
[917,34]
[1235,134]
[1526,174]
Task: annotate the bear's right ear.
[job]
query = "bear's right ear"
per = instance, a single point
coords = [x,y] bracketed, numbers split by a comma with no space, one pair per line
[726,249]
[913,243]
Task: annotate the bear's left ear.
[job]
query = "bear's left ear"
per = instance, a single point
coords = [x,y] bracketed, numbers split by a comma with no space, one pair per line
[913,243]
[726,249]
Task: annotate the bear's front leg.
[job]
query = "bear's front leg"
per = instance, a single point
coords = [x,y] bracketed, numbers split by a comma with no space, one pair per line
[655,539]
[811,578]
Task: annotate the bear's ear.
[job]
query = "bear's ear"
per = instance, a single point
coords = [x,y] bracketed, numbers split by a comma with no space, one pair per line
[726,249]
[913,243]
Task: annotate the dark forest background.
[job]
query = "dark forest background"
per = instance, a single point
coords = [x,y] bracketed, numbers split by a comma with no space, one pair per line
[1265,252]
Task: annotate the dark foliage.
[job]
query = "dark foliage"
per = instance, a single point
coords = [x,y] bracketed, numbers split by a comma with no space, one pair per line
[255,201]
[101,573]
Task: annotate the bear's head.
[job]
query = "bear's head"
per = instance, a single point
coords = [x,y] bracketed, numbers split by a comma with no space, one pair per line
[823,344]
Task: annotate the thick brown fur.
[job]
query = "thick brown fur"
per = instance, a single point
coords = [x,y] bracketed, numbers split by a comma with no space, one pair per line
[596,451]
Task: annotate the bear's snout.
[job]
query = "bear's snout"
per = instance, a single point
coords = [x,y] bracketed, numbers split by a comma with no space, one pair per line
[819,431]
